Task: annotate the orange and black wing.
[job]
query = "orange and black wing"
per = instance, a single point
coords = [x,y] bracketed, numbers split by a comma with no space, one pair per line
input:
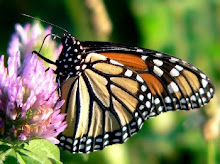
[119,88]
[174,83]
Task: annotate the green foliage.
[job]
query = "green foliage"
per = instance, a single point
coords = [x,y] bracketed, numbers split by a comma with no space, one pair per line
[38,151]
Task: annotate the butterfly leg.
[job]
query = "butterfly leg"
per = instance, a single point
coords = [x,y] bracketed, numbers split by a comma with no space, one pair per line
[58,87]
[44,58]
[47,69]
[60,84]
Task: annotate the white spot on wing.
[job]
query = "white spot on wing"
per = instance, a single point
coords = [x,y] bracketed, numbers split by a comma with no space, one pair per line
[158,62]
[201,91]
[125,135]
[69,140]
[84,66]
[139,121]
[158,54]
[115,62]
[69,48]
[118,134]
[168,100]
[115,140]
[67,146]
[149,95]
[88,148]
[157,101]
[172,87]
[66,40]
[88,141]
[193,98]
[133,131]
[75,142]
[200,101]
[139,50]
[77,67]
[174,72]
[209,95]
[203,75]
[194,68]
[106,136]
[148,104]
[143,88]
[98,140]
[139,79]
[183,101]
[106,143]
[141,97]
[160,109]
[179,68]
[144,57]
[173,60]
[82,146]
[136,114]
[97,147]
[124,128]
[204,83]
[74,149]
[141,107]
[145,113]
[128,73]
[158,71]
[204,99]
[62,138]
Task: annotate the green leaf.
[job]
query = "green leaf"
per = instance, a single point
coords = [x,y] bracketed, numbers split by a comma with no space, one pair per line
[7,155]
[43,147]
[37,151]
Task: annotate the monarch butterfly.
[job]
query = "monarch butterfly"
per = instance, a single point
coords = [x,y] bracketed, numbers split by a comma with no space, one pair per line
[111,89]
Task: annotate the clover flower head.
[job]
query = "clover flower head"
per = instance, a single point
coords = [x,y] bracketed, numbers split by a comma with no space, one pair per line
[29,103]
[29,38]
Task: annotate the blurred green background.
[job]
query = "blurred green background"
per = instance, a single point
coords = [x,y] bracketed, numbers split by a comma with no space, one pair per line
[189,29]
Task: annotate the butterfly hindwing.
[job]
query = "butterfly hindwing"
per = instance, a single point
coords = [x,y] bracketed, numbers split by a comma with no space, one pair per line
[106,104]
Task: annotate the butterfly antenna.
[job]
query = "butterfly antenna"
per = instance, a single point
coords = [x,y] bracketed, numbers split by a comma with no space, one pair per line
[54,37]
[29,16]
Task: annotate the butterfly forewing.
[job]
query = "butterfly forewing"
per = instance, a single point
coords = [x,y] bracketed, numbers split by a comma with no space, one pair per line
[174,83]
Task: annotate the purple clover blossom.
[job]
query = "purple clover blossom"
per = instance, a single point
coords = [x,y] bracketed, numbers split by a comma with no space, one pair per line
[29,105]
[29,38]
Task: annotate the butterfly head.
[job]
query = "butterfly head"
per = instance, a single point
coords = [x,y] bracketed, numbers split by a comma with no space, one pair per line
[71,56]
